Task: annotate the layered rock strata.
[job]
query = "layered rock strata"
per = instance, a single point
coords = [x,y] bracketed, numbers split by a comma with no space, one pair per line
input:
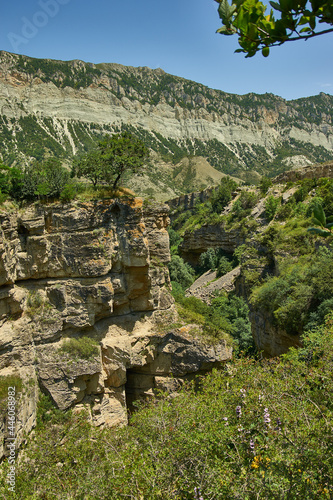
[84,291]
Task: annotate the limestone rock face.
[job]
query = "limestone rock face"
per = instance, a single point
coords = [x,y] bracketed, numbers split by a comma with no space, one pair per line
[209,236]
[84,288]
[270,340]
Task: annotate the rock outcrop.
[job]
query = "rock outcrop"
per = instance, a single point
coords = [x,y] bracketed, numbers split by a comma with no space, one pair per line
[84,292]
[308,172]
[210,236]
[208,283]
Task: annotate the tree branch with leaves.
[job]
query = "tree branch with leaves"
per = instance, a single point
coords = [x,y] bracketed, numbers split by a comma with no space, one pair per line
[287,21]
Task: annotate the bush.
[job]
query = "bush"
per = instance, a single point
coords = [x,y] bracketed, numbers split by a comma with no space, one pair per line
[68,193]
[83,347]
[224,266]
[271,205]
[264,185]
[181,271]
[175,240]
[222,196]
[208,260]
[243,205]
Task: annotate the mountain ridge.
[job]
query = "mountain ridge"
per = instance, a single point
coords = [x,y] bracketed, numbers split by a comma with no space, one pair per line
[61,108]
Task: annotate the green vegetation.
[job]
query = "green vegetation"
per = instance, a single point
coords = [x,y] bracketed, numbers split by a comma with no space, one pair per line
[45,180]
[257,31]
[6,383]
[271,206]
[48,180]
[319,219]
[222,196]
[252,430]
[181,272]
[120,154]
[61,73]
[82,348]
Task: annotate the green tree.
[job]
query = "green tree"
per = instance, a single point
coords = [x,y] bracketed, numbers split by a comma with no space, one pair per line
[223,195]
[271,205]
[288,20]
[122,153]
[91,166]
[181,272]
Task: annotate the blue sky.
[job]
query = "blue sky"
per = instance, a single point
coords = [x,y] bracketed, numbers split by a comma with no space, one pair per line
[177,36]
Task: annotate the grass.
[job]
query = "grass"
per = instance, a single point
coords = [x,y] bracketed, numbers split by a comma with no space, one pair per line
[81,348]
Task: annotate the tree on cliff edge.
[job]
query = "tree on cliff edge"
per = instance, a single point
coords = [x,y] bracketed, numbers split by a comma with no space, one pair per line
[121,153]
[116,155]
[288,20]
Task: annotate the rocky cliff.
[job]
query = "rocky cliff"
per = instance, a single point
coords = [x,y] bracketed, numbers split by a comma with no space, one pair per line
[83,299]
[64,107]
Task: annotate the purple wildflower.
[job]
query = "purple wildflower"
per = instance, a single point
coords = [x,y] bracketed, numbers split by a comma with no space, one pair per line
[266,416]
[252,446]
[278,424]
[197,494]
[238,411]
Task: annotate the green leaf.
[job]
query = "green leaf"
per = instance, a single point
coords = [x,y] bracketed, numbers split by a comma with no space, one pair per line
[319,214]
[225,12]
[317,230]
[276,6]
[265,51]
[226,31]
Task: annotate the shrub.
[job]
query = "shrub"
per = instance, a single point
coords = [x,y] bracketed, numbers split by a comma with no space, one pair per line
[175,240]
[223,194]
[181,271]
[208,260]
[68,193]
[224,266]
[243,205]
[271,205]
[83,347]
[264,184]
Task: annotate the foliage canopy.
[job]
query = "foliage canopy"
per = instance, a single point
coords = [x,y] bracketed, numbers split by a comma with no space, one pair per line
[288,20]
[116,155]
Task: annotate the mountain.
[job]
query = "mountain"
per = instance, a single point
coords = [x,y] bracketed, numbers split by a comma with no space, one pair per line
[62,108]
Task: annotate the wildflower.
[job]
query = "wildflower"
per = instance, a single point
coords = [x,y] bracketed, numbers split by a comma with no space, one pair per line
[238,411]
[255,463]
[243,393]
[266,417]
[226,420]
[197,494]
[278,424]
[252,446]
